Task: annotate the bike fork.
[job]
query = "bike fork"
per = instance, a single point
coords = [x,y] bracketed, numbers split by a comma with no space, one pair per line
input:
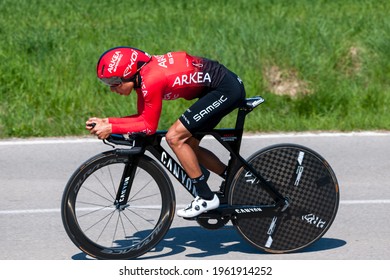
[126,182]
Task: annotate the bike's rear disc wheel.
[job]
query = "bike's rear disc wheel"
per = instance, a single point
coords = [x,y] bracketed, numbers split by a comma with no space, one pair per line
[98,227]
[306,179]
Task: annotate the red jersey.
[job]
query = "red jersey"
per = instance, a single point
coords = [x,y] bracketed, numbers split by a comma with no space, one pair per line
[168,77]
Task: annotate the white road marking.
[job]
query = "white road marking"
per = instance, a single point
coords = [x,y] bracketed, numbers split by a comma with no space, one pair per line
[57,210]
[70,140]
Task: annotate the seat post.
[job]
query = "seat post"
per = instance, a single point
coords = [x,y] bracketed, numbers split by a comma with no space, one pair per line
[241,115]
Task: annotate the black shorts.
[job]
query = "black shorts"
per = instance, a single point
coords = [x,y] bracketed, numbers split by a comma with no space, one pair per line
[209,110]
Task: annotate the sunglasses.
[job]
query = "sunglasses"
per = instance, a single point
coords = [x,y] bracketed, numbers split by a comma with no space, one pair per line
[115,81]
[112,81]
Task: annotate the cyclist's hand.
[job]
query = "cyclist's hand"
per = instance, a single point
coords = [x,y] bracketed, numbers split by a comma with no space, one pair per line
[91,122]
[99,127]
[102,130]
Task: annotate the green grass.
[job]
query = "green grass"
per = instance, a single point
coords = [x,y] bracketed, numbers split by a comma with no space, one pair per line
[340,51]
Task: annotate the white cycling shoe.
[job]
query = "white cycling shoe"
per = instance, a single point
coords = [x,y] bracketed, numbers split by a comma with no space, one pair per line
[198,206]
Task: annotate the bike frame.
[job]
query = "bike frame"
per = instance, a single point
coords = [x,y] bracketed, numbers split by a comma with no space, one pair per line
[230,140]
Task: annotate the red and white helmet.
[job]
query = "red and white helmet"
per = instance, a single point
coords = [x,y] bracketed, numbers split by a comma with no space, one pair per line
[120,64]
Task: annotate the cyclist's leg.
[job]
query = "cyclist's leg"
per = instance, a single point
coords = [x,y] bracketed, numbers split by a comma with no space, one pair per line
[207,158]
[177,138]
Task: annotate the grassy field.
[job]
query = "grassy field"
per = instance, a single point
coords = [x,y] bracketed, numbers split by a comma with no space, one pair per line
[320,65]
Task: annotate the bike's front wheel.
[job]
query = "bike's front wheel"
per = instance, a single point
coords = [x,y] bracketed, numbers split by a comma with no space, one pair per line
[96,224]
[305,179]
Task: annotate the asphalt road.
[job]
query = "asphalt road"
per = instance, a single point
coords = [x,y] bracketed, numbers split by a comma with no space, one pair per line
[33,174]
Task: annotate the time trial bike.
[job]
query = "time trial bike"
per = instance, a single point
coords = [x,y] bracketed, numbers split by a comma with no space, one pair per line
[120,203]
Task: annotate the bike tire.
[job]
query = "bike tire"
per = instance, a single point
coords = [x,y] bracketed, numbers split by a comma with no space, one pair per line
[309,183]
[97,227]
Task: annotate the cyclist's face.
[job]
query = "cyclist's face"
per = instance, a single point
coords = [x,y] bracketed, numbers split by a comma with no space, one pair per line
[123,88]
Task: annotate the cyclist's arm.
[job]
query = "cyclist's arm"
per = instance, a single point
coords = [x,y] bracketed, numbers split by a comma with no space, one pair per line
[149,111]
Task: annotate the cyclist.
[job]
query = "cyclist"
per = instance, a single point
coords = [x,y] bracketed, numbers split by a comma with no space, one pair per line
[167,77]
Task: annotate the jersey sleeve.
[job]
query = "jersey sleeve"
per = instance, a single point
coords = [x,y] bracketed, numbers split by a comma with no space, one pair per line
[149,106]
